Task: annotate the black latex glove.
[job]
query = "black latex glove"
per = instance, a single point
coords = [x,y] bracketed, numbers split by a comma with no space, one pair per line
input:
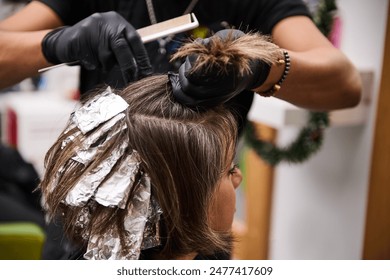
[102,41]
[211,89]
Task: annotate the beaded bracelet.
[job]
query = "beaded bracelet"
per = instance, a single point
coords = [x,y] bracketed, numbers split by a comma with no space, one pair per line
[276,87]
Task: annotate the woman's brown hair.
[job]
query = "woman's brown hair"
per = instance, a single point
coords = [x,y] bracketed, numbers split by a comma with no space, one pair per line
[184,151]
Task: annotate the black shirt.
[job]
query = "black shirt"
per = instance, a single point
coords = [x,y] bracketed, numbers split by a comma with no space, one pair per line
[259,15]
[246,15]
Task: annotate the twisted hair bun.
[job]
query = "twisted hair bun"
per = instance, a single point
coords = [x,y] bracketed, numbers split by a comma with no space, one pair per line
[228,53]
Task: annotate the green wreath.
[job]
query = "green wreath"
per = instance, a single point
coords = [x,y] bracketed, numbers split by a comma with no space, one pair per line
[310,137]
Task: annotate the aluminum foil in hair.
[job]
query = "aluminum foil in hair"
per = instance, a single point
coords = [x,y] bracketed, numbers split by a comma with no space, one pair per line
[83,219]
[108,246]
[98,110]
[152,227]
[71,123]
[141,223]
[86,187]
[89,148]
[115,190]
[69,139]
[105,247]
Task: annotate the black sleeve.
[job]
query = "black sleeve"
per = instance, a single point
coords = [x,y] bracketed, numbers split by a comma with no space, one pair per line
[72,11]
[62,8]
[263,15]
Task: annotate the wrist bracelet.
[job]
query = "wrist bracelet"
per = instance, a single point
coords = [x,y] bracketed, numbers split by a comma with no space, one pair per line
[276,87]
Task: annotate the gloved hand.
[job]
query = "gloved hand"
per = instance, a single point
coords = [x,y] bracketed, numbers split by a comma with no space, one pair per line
[101,40]
[211,88]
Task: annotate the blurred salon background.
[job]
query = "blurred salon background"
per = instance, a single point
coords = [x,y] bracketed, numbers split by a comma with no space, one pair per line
[334,205]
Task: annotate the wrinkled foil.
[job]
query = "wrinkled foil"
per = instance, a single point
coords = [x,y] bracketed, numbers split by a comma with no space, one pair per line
[89,148]
[115,190]
[90,140]
[87,185]
[69,139]
[102,108]
[83,218]
[108,247]
[71,123]
[142,221]
[151,236]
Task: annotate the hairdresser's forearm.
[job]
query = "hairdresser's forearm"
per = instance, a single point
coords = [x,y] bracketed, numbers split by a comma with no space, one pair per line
[321,76]
[321,79]
[20,56]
